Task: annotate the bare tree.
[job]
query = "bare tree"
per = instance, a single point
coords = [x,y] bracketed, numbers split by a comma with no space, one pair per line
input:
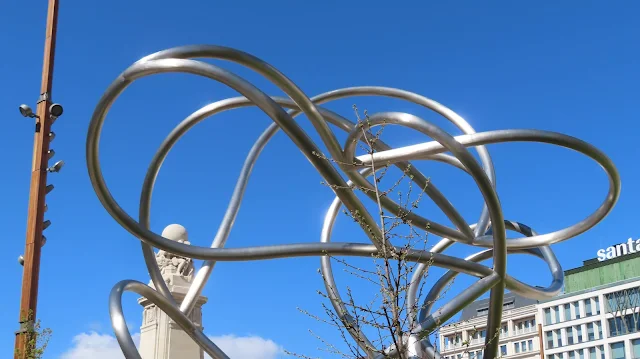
[623,305]
[385,316]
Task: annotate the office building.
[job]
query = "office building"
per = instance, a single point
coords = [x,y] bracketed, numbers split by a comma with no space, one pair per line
[596,317]
[518,333]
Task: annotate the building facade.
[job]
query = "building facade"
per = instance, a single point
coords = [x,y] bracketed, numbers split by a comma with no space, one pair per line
[597,316]
[518,334]
[600,323]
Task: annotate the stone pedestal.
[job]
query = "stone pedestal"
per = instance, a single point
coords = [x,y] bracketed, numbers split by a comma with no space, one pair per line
[160,336]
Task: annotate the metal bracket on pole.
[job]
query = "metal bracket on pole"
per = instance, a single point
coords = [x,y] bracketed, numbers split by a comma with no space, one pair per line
[43,97]
[25,327]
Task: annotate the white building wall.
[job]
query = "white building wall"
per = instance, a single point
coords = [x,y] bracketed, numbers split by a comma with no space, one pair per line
[572,326]
[469,347]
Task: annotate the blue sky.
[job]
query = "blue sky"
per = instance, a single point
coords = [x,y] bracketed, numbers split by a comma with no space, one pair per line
[570,67]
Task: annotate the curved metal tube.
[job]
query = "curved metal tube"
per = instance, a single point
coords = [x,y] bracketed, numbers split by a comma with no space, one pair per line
[356,169]
[513,284]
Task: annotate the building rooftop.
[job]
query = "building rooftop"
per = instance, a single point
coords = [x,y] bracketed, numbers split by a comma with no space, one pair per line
[480,308]
[593,289]
[594,263]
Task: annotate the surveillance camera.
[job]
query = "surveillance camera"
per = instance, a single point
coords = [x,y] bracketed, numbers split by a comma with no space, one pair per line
[43,241]
[52,135]
[51,153]
[26,111]
[46,207]
[49,188]
[46,224]
[56,167]
[55,110]
[21,260]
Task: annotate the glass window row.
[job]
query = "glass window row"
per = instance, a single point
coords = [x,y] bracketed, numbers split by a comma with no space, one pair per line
[518,347]
[616,351]
[573,335]
[571,311]
[476,336]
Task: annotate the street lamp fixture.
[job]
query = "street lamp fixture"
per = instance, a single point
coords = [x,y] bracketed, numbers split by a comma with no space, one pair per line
[56,167]
[26,111]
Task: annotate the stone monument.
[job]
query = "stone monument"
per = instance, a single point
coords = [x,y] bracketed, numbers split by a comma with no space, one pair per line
[160,336]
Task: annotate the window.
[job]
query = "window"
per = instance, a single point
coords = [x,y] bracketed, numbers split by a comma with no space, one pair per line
[559,336]
[621,300]
[503,350]
[601,351]
[599,329]
[479,352]
[587,307]
[617,350]
[504,331]
[580,353]
[569,335]
[483,311]
[590,334]
[556,309]
[592,353]
[572,355]
[576,307]
[472,355]
[517,346]
[597,304]
[530,345]
[549,340]
[459,356]
[626,324]
[547,316]
[567,311]
[520,328]
[579,331]
[560,355]
[635,343]
[533,322]
[508,305]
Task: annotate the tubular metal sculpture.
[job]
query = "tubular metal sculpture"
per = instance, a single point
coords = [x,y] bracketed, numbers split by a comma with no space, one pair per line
[489,232]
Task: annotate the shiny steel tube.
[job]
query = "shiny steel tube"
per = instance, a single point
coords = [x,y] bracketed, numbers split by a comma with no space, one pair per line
[232,210]
[124,336]
[487,190]
[425,150]
[446,148]
[514,285]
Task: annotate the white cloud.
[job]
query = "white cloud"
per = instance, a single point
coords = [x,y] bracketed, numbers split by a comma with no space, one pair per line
[104,346]
[96,346]
[249,347]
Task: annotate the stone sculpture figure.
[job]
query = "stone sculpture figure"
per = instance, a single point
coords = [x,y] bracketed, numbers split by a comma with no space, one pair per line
[160,336]
[172,265]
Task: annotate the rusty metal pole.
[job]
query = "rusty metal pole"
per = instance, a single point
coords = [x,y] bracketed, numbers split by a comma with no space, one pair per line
[541,342]
[37,193]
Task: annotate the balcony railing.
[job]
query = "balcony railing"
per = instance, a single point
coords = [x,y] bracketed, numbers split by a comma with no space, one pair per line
[525,330]
[451,346]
